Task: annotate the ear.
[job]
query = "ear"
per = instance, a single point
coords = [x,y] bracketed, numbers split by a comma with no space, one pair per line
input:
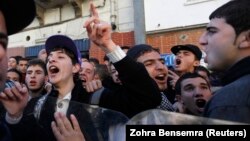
[196,63]
[46,78]
[96,77]
[76,68]
[182,106]
[244,39]
[178,97]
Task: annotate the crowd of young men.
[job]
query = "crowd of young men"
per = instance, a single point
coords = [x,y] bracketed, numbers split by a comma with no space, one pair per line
[143,81]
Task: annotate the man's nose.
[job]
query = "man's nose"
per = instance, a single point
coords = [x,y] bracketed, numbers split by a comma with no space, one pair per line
[32,75]
[159,65]
[203,40]
[198,93]
[51,59]
[179,55]
[116,73]
[82,72]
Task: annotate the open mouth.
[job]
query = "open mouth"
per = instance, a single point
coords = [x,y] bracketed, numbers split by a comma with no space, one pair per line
[201,103]
[178,61]
[53,69]
[83,80]
[32,82]
[160,77]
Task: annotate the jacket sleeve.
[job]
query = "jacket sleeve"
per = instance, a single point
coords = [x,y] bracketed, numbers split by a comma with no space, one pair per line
[27,128]
[139,92]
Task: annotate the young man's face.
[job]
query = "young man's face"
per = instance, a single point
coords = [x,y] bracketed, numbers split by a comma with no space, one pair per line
[155,67]
[12,63]
[22,66]
[114,74]
[35,78]
[42,55]
[13,76]
[107,63]
[61,69]
[220,46]
[3,46]
[87,72]
[185,61]
[195,93]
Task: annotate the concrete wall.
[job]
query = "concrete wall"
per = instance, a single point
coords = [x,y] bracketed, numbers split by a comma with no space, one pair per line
[125,15]
[62,21]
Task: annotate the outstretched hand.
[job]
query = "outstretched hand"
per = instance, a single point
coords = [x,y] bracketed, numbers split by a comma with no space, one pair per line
[15,98]
[174,78]
[99,32]
[93,86]
[64,130]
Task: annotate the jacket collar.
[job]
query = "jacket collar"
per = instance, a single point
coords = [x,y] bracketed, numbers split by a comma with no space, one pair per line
[238,70]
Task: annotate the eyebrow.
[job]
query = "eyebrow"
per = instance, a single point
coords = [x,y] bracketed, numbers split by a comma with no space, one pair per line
[36,70]
[149,60]
[162,59]
[211,27]
[57,51]
[184,51]
[204,84]
[152,60]
[188,85]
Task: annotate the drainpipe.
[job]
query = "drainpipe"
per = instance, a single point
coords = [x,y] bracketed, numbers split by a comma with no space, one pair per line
[139,22]
[113,16]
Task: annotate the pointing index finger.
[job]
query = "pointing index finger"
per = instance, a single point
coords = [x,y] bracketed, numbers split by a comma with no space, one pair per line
[93,11]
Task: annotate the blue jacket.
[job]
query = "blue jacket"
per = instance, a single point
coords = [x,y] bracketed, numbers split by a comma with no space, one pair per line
[232,102]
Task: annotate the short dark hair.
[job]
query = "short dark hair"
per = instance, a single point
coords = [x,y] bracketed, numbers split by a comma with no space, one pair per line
[94,60]
[67,52]
[18,57]
[138,50]
[236,13]
[125,47]
[105,58]
[201,68]
[186,76]
[85,56]
[22,59]
[102,71]
[14,57]
[17,72]
[38,62]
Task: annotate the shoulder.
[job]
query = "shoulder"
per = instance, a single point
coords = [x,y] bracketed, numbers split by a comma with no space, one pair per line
[234,94]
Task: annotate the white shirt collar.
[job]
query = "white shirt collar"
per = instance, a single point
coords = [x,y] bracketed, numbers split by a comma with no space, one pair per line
[67,96]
